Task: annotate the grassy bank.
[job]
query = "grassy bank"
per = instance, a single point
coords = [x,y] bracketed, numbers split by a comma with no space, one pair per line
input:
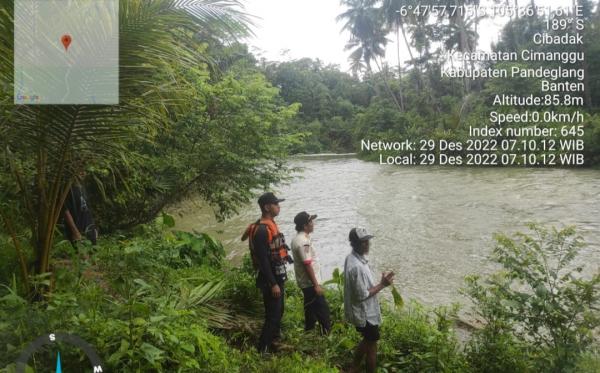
[155,300]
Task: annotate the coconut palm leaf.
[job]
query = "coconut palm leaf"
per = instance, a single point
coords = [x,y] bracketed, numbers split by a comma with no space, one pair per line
[228,14]
[367,38]
[202,299]
[49,145]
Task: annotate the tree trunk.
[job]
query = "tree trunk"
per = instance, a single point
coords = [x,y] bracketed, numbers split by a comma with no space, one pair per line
[399,67]
[411,56]
[406,41]
[387,85]
[49,217]
[17,245]
[463,47]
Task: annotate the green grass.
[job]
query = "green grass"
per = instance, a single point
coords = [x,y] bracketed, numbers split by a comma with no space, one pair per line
[167,302]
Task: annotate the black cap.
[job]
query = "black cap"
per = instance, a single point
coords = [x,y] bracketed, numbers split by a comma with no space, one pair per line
[303,218]
[268,198]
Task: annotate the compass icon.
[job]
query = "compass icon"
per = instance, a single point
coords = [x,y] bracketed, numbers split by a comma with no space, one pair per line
[58,365]
[41,342]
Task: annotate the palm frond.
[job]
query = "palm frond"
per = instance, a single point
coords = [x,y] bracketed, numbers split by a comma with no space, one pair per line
[228,14]
[202,299]
[157,45]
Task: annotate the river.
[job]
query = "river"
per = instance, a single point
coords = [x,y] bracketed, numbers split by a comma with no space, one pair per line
[433,225]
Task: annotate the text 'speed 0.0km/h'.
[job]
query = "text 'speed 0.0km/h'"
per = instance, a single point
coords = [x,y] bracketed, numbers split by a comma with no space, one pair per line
[66,52]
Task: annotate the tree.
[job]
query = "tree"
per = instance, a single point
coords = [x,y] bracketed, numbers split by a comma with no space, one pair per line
[367,38]
[231,141]
[540,295]
[394,21]
[47,146]
[461,35]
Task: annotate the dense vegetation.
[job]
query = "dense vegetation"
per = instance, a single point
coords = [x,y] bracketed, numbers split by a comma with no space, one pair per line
[158,300]
[409,99]
[199,115]
[191,120]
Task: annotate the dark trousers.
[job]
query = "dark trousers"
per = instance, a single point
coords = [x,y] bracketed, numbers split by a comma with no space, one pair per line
[273,314]
[315,309]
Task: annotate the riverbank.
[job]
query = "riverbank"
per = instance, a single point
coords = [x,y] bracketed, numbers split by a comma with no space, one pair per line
[160,300]
[433,226]
[157,300]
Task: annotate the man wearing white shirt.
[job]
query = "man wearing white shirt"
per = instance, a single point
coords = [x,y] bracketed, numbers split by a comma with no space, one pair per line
[308,274]
[361,306]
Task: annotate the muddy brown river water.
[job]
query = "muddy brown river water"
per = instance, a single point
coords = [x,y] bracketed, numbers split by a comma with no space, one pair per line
[433,226]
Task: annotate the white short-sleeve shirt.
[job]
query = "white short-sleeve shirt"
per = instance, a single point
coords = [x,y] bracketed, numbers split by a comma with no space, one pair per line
[304,253]
[359,307]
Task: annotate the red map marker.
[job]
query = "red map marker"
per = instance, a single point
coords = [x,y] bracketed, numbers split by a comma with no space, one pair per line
[66,41]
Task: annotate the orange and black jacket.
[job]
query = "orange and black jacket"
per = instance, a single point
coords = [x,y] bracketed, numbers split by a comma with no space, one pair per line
[266,261]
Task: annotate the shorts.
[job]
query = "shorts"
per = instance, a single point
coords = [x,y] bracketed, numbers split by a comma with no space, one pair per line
[369,332]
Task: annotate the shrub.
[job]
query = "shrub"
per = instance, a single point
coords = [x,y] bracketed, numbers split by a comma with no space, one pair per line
[415,340]
[540,297]
[495,350]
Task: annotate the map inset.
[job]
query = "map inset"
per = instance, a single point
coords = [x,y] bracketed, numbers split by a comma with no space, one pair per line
[66,52]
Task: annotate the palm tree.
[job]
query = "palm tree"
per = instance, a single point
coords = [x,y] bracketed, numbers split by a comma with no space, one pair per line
[394,21]
[360,23]
[461,36]
[46,147]
[367,38]
[460,32]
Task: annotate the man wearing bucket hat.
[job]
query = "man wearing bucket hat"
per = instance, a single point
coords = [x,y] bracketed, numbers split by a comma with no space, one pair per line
[361,306]
[308,274]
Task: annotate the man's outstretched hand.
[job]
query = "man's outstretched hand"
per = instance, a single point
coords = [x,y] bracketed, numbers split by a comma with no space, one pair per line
[387,278]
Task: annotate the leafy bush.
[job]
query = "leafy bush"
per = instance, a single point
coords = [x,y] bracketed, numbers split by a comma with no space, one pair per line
[540,297]
[588,362]
[495,350]
[415,340]
[146,304]
[154,302]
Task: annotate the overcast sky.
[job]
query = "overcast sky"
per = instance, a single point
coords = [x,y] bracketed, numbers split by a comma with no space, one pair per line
[307,28]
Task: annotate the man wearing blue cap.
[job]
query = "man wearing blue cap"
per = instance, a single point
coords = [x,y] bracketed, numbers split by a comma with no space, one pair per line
[361,306]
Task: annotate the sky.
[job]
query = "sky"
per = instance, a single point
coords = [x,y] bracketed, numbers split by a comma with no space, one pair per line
[305,28]
[293,29]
